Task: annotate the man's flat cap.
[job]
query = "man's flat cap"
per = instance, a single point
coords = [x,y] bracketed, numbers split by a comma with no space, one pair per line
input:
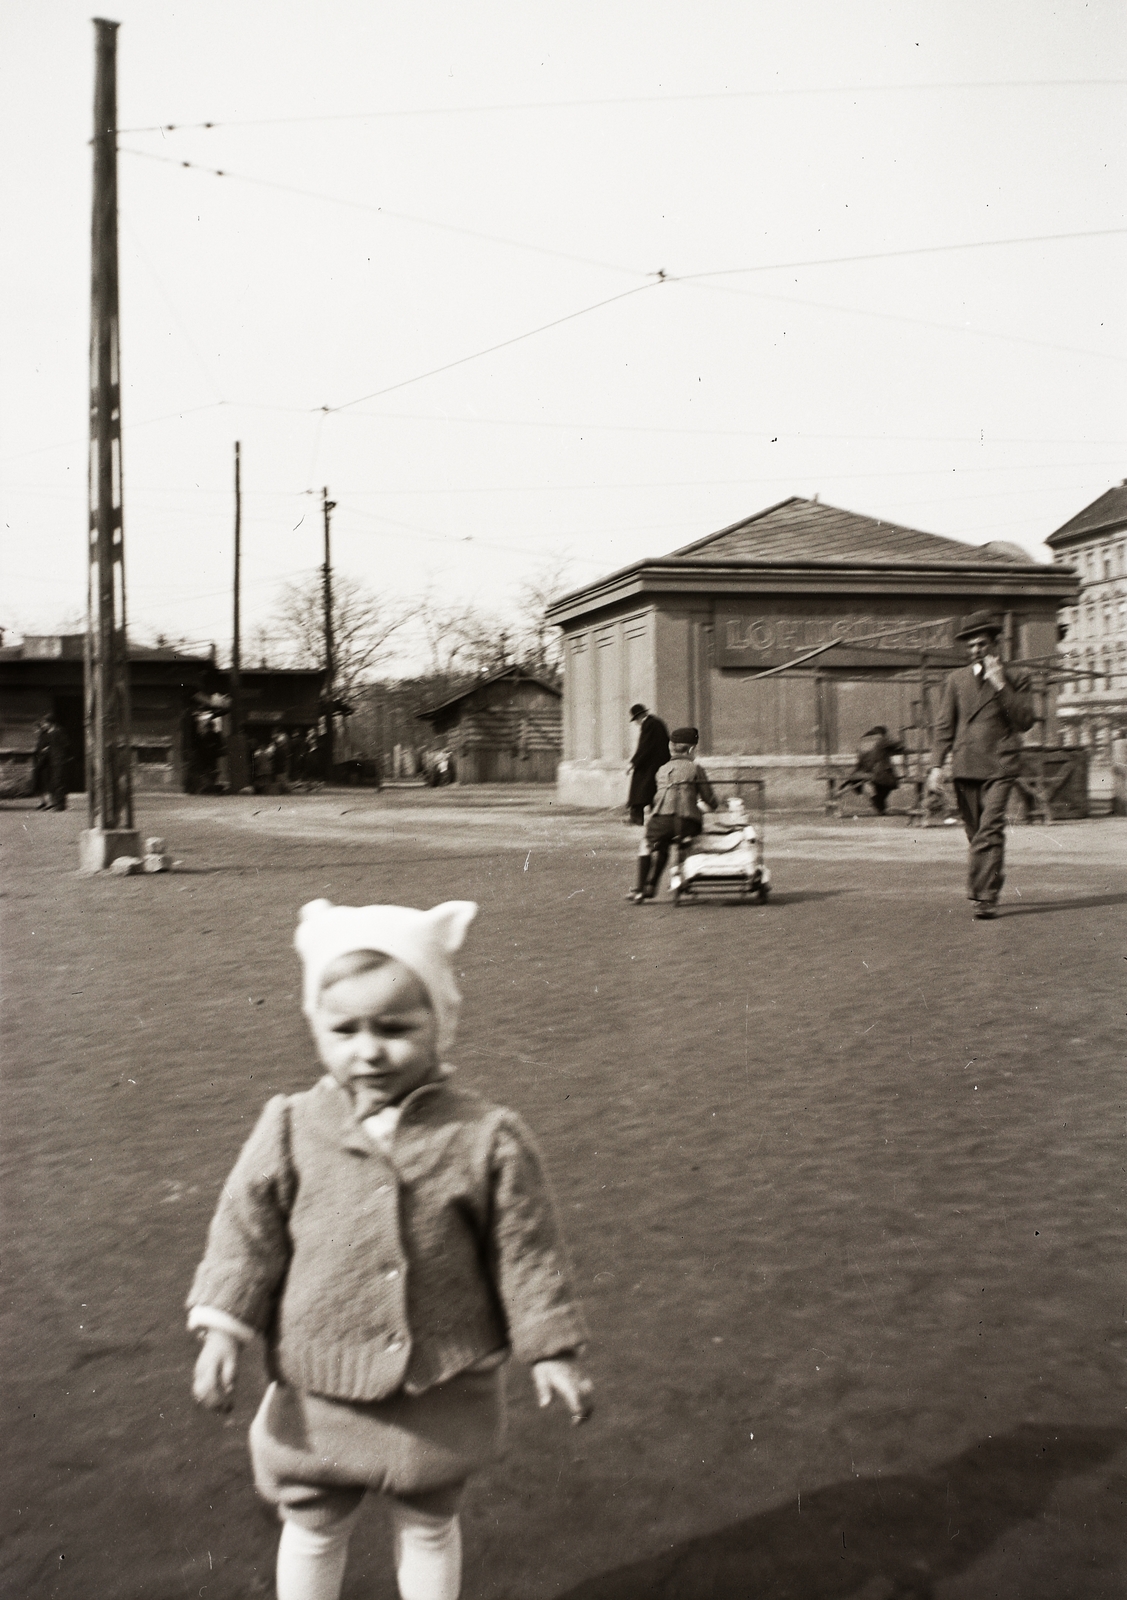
[980,622]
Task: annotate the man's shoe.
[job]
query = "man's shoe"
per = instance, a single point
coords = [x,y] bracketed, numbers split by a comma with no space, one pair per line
[984,910]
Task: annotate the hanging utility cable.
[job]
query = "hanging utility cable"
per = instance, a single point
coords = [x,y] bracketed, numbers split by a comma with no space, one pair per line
[504,344]
[697,279]
[382,211]
[806,91]
[892,255]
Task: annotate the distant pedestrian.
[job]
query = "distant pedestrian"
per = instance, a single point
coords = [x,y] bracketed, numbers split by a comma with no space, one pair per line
[391,1239]
[874,773]
[682,787]
[650,753]
[49,764]
[986,708]
[280,761]
[262,766]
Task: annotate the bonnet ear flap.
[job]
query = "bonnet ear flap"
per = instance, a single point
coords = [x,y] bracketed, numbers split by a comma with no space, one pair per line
[313,908]
[450,922]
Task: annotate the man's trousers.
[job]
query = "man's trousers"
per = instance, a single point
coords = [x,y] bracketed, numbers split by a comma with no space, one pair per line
[982,806]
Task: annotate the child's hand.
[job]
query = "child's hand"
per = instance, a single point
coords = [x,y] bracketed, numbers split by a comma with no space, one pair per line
[564,1377]
[213,1384]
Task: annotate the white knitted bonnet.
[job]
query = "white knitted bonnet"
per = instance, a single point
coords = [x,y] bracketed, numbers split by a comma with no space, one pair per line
[424,941]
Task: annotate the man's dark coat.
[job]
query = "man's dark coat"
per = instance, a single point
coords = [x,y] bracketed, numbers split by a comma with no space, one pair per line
[982,726]
[652,753]
[52,752]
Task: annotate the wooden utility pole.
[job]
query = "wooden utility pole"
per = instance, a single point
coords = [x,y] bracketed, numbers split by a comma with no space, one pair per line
[237,777]
[327,507]
[109,778]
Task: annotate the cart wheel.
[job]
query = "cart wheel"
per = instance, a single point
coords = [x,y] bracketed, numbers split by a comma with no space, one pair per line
[764,891]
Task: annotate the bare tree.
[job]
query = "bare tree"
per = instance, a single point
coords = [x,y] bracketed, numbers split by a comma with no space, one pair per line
[364,624]
[539,643]
[461,640]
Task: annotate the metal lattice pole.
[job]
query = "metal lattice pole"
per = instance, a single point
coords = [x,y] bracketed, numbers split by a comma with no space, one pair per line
[109,785]
[327,508]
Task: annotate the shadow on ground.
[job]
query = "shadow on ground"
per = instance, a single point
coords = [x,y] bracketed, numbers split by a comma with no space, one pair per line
[891,1538]
[1038,908]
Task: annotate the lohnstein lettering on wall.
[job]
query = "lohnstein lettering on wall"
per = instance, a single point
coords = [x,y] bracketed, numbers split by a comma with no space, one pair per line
[769,639]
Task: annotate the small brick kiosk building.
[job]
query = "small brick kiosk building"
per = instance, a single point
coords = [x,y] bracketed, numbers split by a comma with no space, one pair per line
[505,729]
[691,635]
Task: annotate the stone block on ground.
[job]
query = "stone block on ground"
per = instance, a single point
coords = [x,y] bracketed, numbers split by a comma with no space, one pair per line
[99,847]
[156,861]
[125,866]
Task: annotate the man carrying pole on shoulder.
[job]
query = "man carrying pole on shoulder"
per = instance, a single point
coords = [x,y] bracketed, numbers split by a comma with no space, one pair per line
[986,708]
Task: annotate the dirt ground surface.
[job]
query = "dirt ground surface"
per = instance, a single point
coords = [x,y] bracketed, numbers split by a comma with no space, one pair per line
[843,1179]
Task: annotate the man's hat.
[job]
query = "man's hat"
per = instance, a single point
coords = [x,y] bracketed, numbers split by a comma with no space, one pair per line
[980,622]
[684,736]
[638,710]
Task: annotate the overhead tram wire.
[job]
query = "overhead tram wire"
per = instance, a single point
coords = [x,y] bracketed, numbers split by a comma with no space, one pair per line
[383,211]
[792,436]
[892,316]
[892,255]
[145,422]
[518,338]
[653,279]
[613,266]
[664,277]
[964,86]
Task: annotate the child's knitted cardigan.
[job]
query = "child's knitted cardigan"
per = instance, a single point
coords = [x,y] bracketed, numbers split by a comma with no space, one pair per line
[370,1271]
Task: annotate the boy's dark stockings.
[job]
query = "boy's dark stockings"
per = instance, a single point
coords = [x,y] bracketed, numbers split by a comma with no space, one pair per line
[659,857]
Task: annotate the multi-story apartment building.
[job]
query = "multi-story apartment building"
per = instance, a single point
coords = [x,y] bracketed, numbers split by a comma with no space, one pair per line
[1092,705]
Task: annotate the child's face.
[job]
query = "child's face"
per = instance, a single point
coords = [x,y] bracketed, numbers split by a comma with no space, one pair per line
[377,1034]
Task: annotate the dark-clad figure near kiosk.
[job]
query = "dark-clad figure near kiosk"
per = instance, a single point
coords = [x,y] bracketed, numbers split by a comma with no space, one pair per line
[874,773]
[650,754]
[52,754]
[986,708]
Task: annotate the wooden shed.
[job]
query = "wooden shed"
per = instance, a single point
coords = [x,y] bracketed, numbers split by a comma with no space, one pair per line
[45,674]
[506,729]
[167,689]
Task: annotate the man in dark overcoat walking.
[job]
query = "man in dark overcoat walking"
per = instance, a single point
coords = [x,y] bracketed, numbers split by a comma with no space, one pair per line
[650,753]
[52,753]
[985,710]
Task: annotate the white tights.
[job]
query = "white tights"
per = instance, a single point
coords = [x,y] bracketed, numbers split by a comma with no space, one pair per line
[428,1556]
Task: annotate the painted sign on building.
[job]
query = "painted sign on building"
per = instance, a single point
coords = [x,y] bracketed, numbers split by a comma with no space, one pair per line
[745,638]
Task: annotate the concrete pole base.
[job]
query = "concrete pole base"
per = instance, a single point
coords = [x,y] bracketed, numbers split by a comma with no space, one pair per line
[99,847]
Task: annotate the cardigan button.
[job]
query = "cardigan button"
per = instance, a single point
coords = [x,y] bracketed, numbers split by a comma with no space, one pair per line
[395,1344]
[392,1272]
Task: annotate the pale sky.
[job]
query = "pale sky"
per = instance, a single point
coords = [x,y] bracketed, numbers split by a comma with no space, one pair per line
[436,178]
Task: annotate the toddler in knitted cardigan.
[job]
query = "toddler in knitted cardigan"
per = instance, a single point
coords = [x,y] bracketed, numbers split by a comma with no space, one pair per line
[392,1240]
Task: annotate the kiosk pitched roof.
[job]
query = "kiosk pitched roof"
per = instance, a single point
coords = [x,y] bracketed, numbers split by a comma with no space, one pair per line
[806,530]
